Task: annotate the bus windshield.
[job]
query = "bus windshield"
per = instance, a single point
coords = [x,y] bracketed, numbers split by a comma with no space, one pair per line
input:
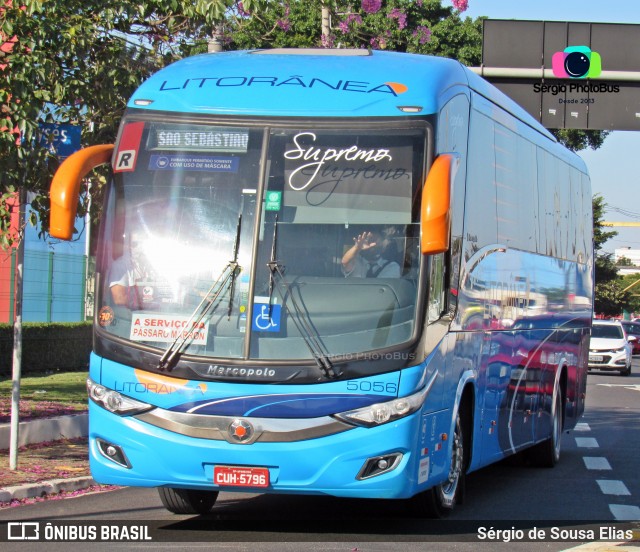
[262,242]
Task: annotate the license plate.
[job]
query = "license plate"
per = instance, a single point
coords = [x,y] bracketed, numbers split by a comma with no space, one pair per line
[596,358]
[240,476]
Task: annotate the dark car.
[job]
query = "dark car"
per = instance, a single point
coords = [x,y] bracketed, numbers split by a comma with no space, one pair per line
[633,329]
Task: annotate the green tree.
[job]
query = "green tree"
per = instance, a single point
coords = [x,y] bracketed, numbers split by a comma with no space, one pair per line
[610,297]
[577,140]
[631,283]
[605,268]
[624,261]
[78,61]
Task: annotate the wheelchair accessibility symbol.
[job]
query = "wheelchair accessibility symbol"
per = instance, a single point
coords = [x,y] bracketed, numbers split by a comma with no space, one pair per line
[262,322]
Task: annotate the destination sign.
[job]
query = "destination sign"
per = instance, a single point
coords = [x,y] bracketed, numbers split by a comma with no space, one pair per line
[200,138]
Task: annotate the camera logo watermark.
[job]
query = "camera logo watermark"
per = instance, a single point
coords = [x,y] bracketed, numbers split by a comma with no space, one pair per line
[24,530]
[576,62]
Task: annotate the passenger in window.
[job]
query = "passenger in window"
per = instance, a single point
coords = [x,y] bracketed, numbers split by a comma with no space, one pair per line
[372,255]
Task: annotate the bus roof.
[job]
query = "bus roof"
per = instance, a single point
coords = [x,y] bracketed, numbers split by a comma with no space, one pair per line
[290,82]
[302,82]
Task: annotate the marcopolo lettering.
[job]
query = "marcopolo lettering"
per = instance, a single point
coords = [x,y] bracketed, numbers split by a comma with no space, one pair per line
[232,371]
[345,85]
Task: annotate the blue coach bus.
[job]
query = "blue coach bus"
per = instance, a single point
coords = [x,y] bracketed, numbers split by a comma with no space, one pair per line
[331,272]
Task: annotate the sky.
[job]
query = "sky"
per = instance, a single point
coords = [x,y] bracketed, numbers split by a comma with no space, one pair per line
[615,166]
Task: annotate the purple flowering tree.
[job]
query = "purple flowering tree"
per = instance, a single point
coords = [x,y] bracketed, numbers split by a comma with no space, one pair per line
[401,25]
[371,6]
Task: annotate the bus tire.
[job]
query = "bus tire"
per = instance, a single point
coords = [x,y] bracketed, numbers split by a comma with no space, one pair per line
[187,501]
[439,501]
[547,453]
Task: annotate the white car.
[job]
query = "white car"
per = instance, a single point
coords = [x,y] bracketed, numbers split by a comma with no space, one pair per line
[609,348]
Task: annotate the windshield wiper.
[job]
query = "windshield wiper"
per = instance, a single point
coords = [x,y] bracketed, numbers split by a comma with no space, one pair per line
[234,266]
[273,263]
[305,328]
[228,275]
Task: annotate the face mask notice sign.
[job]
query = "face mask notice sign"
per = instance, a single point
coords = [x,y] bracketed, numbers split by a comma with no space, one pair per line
[193,163]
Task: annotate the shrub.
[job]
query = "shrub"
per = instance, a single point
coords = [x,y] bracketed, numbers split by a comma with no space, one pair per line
[56,346]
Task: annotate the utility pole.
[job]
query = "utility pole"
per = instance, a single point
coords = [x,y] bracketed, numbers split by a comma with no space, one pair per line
[17,338]
[214,45]
[326,22]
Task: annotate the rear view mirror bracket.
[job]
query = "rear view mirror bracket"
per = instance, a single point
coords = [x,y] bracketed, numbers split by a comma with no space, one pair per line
[65,187]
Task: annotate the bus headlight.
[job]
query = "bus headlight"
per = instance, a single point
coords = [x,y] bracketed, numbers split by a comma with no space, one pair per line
[113,401]
[382,413]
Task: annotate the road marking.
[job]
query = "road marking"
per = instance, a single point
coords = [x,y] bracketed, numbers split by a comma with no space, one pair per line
[587,442]
[596,463]
[613,487]
[626,385]
[625,513]
[596,546]
[621,512]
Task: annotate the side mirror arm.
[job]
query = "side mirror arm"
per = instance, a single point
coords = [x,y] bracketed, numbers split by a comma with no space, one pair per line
[65,187]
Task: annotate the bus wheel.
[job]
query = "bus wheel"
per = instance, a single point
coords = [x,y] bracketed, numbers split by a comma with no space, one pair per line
[547,453]
[187,501]
[439,501]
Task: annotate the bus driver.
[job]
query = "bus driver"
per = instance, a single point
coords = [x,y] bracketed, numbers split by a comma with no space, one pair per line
[369,257]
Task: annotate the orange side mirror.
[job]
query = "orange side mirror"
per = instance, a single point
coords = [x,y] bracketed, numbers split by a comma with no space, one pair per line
[65,187]
[435,227]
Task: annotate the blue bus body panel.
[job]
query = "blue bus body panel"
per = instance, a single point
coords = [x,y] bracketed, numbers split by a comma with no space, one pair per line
[324,465]
[258,84]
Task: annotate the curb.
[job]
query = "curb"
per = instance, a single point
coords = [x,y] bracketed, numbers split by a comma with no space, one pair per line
[42,488]
[46,429]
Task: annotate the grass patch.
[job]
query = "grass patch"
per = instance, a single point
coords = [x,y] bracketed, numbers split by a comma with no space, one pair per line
[63,387]
[45,395]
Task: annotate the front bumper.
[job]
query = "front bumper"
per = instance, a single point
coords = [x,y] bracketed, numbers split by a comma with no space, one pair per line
[327,465]
[608,360]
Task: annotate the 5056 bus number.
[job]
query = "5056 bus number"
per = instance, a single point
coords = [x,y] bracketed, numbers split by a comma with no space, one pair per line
[373,386]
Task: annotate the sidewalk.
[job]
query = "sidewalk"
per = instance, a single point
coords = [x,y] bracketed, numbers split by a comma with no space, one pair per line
[53,460]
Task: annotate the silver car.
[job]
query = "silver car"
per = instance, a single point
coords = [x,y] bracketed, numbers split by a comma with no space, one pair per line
[610,348]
